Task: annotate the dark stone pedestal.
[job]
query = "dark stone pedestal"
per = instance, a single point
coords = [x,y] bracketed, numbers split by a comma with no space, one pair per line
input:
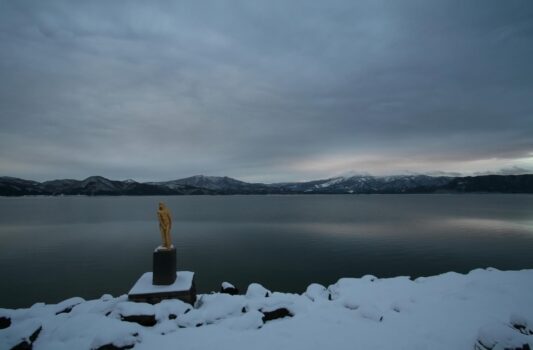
[164,266]
[164,282]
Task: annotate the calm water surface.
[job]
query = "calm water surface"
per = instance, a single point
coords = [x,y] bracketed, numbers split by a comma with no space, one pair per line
[52,248]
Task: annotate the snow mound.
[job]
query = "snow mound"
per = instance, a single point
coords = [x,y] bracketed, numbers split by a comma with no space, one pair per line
[20,333]
[255,290]
[247,321]
[316,292]
[129,308]
[227,285]
[170,309]
[484,309]
[212,308]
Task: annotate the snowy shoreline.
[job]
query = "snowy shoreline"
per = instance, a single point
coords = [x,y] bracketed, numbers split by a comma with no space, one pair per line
[484,309]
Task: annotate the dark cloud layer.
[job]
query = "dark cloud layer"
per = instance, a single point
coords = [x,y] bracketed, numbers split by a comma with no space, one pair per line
[264,91]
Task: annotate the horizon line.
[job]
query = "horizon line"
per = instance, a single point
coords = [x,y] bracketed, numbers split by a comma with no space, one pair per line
[278,182]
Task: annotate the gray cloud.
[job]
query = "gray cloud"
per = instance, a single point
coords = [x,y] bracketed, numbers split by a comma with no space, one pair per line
[515,170]
[268,91]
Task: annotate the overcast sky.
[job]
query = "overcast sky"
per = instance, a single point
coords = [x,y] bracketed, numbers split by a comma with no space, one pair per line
[264,91]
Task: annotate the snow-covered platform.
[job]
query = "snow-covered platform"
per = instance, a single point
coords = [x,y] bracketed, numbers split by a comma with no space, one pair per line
[183,289]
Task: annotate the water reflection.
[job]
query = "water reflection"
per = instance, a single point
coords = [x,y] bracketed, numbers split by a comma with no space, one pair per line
[285,242]
[484,225]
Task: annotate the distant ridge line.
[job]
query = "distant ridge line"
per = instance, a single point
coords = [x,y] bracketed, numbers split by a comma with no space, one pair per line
[223,185]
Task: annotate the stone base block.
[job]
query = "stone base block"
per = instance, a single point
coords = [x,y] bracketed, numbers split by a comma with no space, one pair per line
[183,289]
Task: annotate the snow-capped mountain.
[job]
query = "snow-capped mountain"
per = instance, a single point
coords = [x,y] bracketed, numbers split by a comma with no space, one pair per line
[387,184]
[90,186]
[98,185]
[200,184]
[369,184]
[222,184]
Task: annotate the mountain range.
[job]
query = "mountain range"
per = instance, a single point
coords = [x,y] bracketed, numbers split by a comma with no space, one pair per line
[222,185]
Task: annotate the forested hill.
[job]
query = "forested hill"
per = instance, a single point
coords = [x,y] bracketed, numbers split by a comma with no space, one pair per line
[218,185]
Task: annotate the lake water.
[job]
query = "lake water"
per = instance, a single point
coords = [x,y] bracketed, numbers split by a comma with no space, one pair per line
[52,248]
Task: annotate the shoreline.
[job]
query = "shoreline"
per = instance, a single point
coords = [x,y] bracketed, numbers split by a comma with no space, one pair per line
[483,309]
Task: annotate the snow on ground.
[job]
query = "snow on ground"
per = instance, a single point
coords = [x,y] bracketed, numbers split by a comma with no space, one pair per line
[484,309]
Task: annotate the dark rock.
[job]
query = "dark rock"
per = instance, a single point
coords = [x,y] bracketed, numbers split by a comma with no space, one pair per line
[143,320]
[522,327]
[396,309]
[273,315]
[243,310]
[68,305]
[523,347]
[112,346]
[28,345]
[153,300]
[192,293]
[229,290]
[5,322]
[66,310]
[35,334]
[24,345]
[480,346]
[172,317]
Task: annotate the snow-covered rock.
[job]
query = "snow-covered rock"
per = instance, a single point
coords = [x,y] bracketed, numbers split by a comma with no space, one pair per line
[170,309]
[521,323]
[228,288]
[484,309]
[499,336]
[255,290]
[316,292]
[212,308]
[22,333]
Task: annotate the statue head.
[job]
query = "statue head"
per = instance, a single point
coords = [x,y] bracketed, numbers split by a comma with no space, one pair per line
[161,206]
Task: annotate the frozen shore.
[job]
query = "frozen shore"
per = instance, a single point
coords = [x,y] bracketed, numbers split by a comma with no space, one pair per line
[484,309]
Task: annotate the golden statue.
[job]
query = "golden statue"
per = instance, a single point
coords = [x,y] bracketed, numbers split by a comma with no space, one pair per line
[165,223]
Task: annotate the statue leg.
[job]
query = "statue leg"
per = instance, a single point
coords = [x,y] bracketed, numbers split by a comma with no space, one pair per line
[168,239]
[162,231]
